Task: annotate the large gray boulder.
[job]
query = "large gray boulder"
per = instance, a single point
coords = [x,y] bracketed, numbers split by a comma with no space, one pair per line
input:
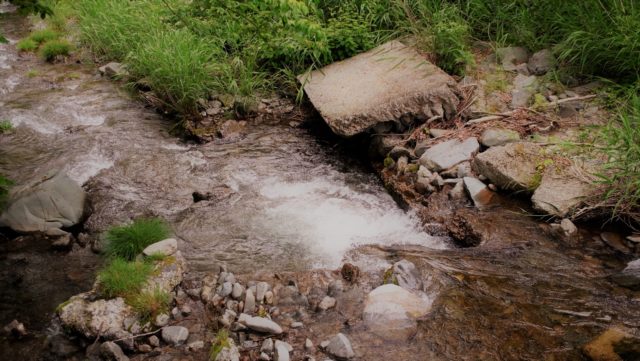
[45,205]
[390,82]
[391,311]
[447,154]
[511,166]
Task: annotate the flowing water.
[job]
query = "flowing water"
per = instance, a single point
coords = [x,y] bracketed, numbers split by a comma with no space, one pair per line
[280,198]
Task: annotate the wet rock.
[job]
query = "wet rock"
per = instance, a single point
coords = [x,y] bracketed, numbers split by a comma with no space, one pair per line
[231,129]
[249,302]
[602,348]
[15,329]
[281,351]
[167,248]
[391,311]
[113,70]
[260,324]
[560,194]
[358,93]
[406,275]
[327,303]
[112,352]
[634,238]
[398,152]
[568,228]
[175,335]
[45,205]
[478,191]
[447,154]
[457,192]
[615,241]
[511,166]
[381,145]
[511,57]
[59,345]
[498,136]
[63,242]
[340,347]
[524,89]
[541,62]
[335,288]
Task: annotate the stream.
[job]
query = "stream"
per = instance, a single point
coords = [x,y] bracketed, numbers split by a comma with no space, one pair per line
[281,199]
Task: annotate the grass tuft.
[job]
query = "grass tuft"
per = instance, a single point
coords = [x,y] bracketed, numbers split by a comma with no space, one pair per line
[27,45]
[221,341]
[43,36]
[149,304]
[129,240]
[5,126]
[122,278]
[5,186]
[54,48]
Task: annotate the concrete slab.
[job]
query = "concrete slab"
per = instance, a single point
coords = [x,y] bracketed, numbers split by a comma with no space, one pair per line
[390,82]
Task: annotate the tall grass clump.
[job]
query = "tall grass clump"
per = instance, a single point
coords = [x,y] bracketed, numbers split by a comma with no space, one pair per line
[176,64]
[26,44]
[621,175]
[54,48]
[121,278]
[128,241]
[149,304]
[44,35]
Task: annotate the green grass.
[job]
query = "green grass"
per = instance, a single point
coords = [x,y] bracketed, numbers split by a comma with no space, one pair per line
[121,278]
[129,240]
[54,48]
[221,341]
[621,175]
[5,186]
[149,304]
[5,126]
[27,44]
[42,36]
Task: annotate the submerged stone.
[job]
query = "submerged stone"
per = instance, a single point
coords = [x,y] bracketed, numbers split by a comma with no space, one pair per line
[384,84]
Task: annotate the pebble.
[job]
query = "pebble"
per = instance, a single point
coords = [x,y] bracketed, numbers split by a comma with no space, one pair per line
[340,347]
[249,302]
[175,335]
[261,290]
[264,357]
[144,348]
[154,341]
[635,238]
[327,303]
[260,324]
[228,317]
[282,352]
[195,346]
[161,320]
[308,345]
[225,289]
[110,351]
[186,310]
[297,325]
[268,297]
[16,329]
[267,346]
[237,291]
[568,228]
[166,248]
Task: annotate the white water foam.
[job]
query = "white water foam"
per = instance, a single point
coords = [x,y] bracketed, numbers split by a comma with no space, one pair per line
[82,170]
[329,217]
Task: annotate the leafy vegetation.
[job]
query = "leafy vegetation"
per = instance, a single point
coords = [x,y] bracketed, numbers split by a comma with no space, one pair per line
[5,186]
[122,278]
[128,241]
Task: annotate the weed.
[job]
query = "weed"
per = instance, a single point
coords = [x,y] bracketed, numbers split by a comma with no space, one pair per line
[149,304]
[5,186]
[129,240]
[32,73]
[42,36]
[54,48]
[5,126]
[122,278]
[221,341]
[27,44]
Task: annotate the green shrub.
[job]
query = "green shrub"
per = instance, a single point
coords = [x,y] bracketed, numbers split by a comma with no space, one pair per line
[149,304]
[122,278]
[54,48]
[27,44]
[42,36]
[129,240]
